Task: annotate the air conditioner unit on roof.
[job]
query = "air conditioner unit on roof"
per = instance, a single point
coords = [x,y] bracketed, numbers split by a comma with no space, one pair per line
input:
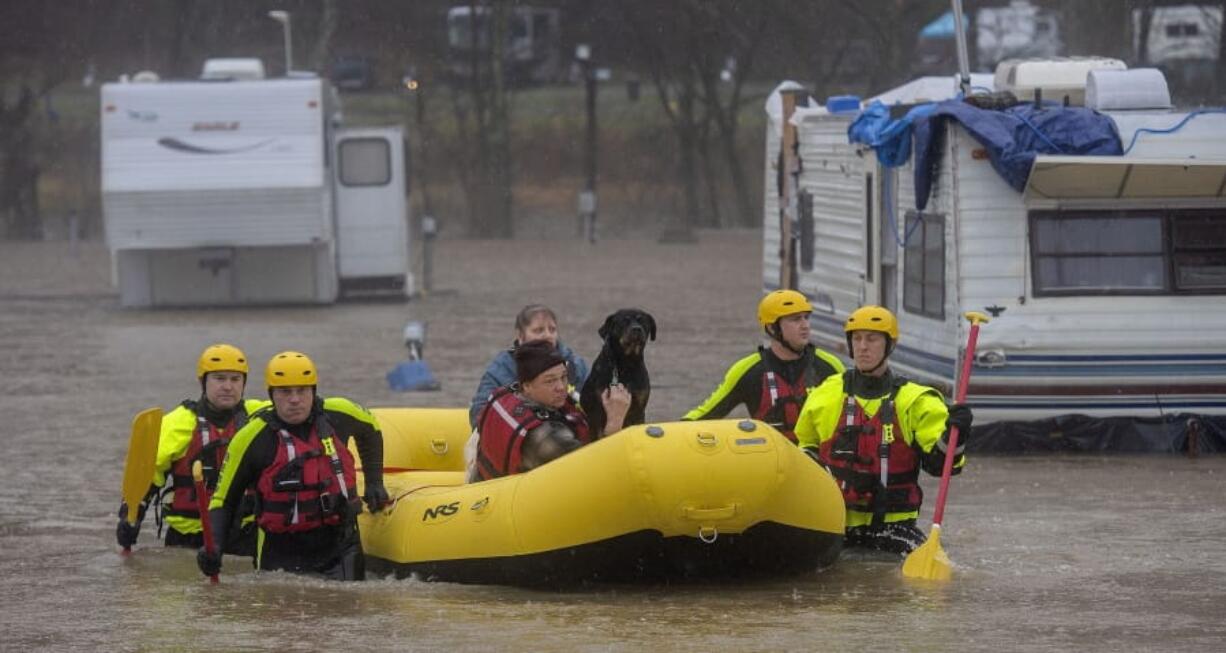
[1055,78]
[233,68]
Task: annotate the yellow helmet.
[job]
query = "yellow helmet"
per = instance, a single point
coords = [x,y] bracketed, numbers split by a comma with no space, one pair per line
[780,303]
[290,368]
[221,358]
[872,318]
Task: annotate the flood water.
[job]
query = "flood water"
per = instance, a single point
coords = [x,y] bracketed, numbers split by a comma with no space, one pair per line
[1083,553]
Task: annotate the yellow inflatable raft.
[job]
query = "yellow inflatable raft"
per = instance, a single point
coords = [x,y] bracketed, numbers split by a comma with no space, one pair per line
[685,499]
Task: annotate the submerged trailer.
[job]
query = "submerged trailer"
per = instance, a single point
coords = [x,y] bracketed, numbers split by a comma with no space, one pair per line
[243,192]
[1105,275]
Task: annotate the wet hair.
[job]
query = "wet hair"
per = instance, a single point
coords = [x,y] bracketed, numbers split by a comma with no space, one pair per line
[529,313]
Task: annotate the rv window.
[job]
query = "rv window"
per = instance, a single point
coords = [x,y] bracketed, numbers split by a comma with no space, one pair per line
[365,162]
[924,265]
[1199,250]
[1138,252]
[1176,30]
[805,202]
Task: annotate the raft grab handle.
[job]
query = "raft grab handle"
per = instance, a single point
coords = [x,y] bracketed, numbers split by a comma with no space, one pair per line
[711,514]
[439,446]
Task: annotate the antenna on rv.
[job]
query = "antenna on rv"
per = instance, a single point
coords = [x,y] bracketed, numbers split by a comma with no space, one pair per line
[964,66]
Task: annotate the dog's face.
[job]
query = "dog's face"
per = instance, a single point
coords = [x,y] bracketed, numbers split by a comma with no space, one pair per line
[629,330]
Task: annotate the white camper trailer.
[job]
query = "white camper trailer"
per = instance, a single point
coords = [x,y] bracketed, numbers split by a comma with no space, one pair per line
[1106,276]
[247,192]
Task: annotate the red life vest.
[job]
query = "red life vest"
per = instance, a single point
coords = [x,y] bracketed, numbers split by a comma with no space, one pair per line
[208,445]
[782,399]
[310,483]
[504,422]
[859,451]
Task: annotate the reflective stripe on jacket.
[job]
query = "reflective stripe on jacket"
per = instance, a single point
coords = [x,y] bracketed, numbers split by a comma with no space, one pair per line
[919,423]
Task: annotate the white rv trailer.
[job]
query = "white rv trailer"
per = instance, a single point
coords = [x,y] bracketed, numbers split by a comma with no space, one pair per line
[1179,34]
[247,192]
[1106,275]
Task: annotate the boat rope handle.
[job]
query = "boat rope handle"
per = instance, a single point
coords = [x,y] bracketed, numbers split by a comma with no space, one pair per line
[708,534]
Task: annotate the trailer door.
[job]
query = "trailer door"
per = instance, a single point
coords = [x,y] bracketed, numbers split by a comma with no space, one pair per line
[372,210]
[880,243]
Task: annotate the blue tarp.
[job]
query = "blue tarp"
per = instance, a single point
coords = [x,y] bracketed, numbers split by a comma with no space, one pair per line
[942,27]
[890,139]
[1012,137]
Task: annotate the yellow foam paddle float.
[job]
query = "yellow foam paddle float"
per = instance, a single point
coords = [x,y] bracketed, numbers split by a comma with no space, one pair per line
[929,561]
[142,457]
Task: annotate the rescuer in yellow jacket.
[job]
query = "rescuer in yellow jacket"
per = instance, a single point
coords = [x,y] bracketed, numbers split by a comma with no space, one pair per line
[874,431]
[198,429]
[772,382]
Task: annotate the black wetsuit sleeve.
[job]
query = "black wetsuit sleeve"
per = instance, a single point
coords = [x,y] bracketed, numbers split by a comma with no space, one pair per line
[742,385]
[354,421]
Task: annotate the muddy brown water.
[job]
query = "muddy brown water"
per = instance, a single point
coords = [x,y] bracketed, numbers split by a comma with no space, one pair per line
[1053,553]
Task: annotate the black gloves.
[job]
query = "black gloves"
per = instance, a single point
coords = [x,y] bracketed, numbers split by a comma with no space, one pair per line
[209,563]
[376,497]
[961,417]
[125,533]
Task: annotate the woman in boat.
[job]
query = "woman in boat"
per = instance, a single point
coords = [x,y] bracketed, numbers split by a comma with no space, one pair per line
[534,322]
[868,423]
[531,422]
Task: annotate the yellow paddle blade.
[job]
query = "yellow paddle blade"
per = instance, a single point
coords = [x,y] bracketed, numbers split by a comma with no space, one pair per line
[142,457]
[929,560]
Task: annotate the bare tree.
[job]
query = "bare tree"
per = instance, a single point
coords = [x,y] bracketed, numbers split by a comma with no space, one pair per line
[483,112]
[726,44]
[1220,70]
[42,45]
[660,39]
[892,27]
[324,36]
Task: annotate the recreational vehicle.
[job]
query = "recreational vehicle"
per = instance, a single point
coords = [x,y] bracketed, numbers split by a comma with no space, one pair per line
[247,191]
[1019,29]
[1105,276]
[531,42]
[1182,40]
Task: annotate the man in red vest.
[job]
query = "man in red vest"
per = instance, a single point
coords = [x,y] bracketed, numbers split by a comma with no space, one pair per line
[535,420]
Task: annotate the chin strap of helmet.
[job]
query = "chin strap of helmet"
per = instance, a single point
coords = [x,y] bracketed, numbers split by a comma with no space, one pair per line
[889,349]
[777,337]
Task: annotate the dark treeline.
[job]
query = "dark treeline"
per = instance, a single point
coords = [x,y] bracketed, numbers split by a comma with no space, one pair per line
[703,65]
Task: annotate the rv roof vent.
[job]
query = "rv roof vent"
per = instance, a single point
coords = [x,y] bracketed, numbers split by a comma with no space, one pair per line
[145,76]
[232,68]
[1115,90]
[1056,78]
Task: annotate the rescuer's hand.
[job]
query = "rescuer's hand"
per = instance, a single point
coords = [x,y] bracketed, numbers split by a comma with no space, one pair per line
[209,563]
[961,417]
[376,497]
[125,533]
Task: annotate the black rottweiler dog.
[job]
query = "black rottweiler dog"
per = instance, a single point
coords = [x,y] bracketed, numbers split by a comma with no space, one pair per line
[625,335]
